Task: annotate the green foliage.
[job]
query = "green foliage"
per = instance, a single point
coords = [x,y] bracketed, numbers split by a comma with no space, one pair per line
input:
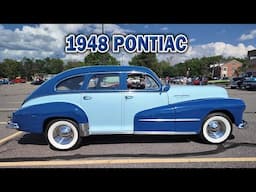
[73,64]
[147,60]
[198,66]
[53,66]
[100,59]
[10,68]
[27,67]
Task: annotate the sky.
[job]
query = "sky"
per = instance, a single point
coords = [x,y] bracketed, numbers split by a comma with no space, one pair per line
[38,41]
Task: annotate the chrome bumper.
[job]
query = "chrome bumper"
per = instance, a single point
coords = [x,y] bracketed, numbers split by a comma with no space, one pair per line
[243,125]
[11,125]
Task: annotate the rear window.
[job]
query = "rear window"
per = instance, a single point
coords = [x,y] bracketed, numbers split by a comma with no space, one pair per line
[71,84]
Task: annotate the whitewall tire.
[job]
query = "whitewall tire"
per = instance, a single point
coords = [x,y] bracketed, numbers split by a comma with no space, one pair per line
[63,134]
[216,128]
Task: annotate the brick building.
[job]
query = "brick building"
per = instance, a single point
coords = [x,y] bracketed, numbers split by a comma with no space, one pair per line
[230,68]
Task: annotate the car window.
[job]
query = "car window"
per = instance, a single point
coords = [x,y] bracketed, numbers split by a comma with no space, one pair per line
[73,83]
[141,81]
[104,81]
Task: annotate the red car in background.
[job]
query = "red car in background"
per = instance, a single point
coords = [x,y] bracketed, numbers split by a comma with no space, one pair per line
[18,80]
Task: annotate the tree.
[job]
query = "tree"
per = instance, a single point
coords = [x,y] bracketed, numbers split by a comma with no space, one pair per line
[28,65]
[165,69]
[73,64]
[11,68]
[100,59]
[147,60]
[53,66]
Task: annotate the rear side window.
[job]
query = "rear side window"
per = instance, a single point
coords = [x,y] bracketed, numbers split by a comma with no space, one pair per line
[104,81]
[71,84]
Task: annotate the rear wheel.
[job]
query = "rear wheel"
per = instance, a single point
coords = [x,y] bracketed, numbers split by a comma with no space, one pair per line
[63,134]
[217,128]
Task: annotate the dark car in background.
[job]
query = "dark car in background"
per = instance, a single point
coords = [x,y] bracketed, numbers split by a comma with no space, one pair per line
[37,81]
[249,83]
[246,81]
[236,82]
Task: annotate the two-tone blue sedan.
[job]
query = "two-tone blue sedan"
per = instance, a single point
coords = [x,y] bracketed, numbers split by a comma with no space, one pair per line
[124,100]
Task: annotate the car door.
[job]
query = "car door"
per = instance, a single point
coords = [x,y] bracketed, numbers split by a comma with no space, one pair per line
[143,93]
[102,103]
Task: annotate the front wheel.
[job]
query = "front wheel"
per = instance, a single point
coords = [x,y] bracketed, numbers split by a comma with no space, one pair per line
[63,134]
[216,128]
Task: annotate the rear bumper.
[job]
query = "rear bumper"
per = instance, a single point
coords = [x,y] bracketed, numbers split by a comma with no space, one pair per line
[243,125]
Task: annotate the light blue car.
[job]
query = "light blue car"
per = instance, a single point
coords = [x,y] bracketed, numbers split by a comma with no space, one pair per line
[124,100]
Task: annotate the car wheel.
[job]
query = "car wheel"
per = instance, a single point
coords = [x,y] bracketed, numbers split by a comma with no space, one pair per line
[216,128]
[63,134]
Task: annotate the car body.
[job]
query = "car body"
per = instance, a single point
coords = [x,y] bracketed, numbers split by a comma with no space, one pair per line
[100,100]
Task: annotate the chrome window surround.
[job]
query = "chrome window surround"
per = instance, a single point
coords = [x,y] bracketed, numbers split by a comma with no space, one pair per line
[109,72]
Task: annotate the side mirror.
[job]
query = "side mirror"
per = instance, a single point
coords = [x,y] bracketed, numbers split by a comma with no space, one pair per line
[165,88]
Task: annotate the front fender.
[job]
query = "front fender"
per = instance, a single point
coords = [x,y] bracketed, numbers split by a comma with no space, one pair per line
[187,116]
[32,118]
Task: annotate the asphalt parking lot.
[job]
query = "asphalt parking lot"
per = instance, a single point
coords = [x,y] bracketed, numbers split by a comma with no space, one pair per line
[19,149]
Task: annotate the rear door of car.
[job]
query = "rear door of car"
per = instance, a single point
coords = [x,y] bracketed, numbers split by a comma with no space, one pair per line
[102,103]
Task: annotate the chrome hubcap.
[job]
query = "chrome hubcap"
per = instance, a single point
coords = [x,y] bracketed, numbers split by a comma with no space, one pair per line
[216,129]
[63,134]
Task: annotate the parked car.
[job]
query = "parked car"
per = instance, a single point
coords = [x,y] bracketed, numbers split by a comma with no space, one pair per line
[246,81]
[99,100]
[4,81]
[249,83]
[236,82]
[37,81]
[18,80]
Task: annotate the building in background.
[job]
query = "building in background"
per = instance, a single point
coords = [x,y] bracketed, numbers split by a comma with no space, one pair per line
[230,69]
[252,60]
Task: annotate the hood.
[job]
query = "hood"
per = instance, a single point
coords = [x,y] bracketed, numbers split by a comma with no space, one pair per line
[185,93]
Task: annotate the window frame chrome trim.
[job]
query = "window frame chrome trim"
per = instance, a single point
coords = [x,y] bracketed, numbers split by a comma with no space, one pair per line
[107,72]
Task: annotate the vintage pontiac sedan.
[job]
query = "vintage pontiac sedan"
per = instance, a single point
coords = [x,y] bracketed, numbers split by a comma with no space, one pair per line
[124,100]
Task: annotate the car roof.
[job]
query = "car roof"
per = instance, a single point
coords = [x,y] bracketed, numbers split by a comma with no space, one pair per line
[48,87]
[105,68]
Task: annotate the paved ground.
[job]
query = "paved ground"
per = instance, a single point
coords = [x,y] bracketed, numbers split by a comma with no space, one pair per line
[30,150]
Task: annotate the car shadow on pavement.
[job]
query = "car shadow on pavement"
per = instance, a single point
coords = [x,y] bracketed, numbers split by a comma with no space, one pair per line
[36,139]
[220,148]
[39,139]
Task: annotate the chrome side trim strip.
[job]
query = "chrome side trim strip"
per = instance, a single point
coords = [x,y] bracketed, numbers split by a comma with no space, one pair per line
[164,133]
[84,129]
[111,132]
[168,120]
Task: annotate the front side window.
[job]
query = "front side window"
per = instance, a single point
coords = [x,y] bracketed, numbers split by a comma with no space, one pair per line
[71,84]
[104,81]
[141,82]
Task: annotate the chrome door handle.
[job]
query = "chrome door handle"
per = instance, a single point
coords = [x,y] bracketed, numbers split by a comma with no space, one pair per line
[87,97]
[128,97]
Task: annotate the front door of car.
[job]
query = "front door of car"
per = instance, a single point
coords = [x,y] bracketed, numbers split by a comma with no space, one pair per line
[102,103]
[143,93]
